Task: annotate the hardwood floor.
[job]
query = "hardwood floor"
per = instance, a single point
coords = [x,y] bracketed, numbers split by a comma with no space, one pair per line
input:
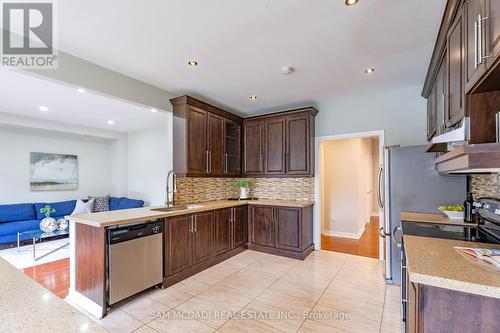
[53,276]
[367,245]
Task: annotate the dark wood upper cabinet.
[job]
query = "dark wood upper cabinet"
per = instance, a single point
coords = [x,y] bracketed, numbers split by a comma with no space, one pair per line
[203,240]
[474,67]
[216,155]
[200,135]
[280,144]
[299,144]
[197,149]
[431,115]
[232,148]
[240,226]
[455,110]
[178,244]
[274,148]
[491,15]
[262,225]
[253,147]
[223,237]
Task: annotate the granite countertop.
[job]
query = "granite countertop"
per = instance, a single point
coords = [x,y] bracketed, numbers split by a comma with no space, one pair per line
[26,306]
[435,262]
[118,217]
[433,218]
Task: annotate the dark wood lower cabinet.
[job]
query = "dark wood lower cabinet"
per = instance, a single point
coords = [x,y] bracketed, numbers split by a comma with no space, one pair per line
[197,241]
[203,236]
[432,309]
[178,244]
[239,226]
[223,230]
[285,231]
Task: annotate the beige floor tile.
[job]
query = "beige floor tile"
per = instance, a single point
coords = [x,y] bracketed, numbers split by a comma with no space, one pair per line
[173,322]
[284,318]
[120,322]
[144,308]
[353,306]
[145,329]
[310,290]
[224,295]
[212,315]
[193,286]
[345,321]
[246,326]
[374,296]
[391,317]
[312,326]
[171,296]
[245,286]
[284,301]
[385,328]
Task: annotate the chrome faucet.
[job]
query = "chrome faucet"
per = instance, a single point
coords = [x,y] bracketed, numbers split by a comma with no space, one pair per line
[167,188]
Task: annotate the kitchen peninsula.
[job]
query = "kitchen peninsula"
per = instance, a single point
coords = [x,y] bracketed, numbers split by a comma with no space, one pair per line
[194,238]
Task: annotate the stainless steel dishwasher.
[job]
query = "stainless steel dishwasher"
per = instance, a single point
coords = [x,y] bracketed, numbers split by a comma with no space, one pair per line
[135,259]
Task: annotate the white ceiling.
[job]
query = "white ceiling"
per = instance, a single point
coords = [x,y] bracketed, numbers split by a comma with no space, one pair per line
[241,45]
[23,94]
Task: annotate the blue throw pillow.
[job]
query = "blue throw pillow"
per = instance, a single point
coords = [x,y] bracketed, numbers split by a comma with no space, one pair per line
[114,202]
[127,203]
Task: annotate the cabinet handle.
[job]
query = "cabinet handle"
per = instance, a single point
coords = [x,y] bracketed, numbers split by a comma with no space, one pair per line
[480,38]
[476,45]
[195,223]
[206,161]
[192,224]
[225,163]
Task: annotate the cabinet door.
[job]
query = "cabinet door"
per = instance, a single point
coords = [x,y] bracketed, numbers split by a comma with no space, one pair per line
[262,225]
[253,137]
[474,67]
[215,144]
[441,93]
[491,30]
[203,236]
[274,148]
[178,244]
[222,230]
[197,141]
[232,148]
[240,226]
[298,158]
[431,116]
[288,228]
[455,111]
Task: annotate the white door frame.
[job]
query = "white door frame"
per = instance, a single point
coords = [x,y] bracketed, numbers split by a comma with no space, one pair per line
[317,181]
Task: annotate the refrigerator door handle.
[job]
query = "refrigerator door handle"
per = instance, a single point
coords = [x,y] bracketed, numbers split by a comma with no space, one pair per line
[381,232]
[380,200]
[394,231]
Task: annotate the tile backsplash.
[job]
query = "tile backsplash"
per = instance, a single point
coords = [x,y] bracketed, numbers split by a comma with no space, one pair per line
[486,186]
[206,189]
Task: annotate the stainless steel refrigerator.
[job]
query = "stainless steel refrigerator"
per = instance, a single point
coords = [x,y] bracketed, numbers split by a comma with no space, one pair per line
[408,181]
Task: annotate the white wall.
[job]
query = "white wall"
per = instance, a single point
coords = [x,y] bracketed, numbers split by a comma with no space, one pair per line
[15,147]
[401,113]
[149,159]
[375,166]
[346,186]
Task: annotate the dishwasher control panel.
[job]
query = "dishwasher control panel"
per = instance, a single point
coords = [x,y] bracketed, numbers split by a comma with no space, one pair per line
[129,232]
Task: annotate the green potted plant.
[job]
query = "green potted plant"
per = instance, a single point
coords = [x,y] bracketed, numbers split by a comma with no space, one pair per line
[48,224]
[244,186]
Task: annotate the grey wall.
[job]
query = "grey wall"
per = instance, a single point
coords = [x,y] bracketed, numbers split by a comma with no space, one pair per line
[401,113]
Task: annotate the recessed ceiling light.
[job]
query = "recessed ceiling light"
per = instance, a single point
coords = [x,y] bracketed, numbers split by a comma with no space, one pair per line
[350,2]
[44,108]
[193,63]
[81,90]
[154,110]
[253,97]
[111,122]
[369,70]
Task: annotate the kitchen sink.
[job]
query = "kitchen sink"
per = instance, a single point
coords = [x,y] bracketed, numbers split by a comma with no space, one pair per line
[176,208]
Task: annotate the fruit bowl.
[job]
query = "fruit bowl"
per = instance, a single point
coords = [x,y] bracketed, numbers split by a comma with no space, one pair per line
[453,212]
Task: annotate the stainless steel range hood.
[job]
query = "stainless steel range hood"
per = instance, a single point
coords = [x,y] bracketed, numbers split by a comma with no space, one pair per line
[470,159]
[447,141]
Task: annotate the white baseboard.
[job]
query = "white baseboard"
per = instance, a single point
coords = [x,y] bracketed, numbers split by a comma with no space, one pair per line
[76,299]
[345,234]
[375,214]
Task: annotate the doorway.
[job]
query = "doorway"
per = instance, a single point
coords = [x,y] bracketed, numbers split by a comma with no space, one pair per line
[348,216]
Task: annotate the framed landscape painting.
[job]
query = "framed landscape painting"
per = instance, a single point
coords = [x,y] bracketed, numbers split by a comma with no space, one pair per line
[53,172]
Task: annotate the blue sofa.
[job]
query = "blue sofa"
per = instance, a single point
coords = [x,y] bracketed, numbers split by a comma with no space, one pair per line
[26,216]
